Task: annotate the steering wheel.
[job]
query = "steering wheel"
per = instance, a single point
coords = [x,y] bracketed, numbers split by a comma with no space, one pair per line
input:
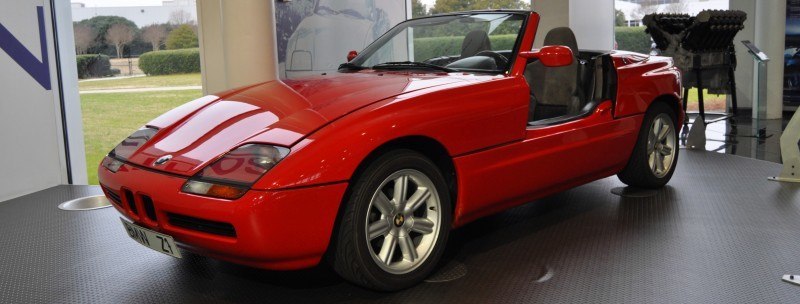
[499,59]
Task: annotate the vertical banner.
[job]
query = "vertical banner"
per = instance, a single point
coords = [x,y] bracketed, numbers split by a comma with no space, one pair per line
[314,36]
[791,71]
[39,95]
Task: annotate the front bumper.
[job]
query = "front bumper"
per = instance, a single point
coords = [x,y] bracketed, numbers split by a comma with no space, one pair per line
[280,230]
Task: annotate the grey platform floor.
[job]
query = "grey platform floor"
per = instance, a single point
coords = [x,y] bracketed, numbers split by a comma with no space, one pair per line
[719,233]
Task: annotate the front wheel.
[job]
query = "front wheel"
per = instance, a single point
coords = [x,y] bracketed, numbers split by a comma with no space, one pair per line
[655,155]
[395,223]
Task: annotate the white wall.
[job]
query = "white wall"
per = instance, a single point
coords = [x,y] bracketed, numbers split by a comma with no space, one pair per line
[591,20]
[744,69]
[593,23]
[32,153]
[237,43]
[553,13]
[770,19]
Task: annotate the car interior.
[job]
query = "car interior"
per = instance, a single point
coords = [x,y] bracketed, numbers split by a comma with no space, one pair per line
[560,94]
[476,54]
[557,94]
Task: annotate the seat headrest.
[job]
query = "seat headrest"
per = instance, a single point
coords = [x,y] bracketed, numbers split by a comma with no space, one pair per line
[475,42]
[562,36]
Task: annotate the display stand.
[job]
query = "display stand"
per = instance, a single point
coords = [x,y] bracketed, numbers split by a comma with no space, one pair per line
[760,60]
[790,151]
[789,278]
[702,48]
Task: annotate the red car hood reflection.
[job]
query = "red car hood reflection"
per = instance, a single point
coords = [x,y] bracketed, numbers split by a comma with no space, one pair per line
[279,113]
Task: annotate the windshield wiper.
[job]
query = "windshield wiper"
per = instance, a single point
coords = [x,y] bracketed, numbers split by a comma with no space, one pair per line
[411,64]
[351,66]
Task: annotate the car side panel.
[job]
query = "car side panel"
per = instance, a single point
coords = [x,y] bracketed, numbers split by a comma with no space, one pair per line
[641,82]
[489,112]
[552,159]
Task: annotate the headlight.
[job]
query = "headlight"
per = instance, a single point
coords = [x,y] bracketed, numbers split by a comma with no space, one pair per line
[117,157]
[232,175]
[111,164]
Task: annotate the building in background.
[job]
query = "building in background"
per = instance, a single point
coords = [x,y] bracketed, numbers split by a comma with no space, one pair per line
[635,10]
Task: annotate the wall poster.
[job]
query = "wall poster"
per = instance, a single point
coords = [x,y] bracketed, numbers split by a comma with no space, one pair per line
[791,71]
[314,36]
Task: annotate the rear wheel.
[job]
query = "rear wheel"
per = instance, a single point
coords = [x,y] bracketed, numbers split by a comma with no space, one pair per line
[655,155]
[395,223]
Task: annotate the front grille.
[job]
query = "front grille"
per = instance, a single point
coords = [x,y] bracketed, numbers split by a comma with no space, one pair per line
[131,200]
[149,209]
[197,224]
[113,196]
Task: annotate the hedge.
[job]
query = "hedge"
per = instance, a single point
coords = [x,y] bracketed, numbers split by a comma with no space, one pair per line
[628,38]
[633,39]
[170,62]
[93,65]
[429,47]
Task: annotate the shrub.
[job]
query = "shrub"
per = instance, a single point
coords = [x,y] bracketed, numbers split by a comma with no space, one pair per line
[182,37]
[93,65]
[633,39]
[429,47]
[170,62]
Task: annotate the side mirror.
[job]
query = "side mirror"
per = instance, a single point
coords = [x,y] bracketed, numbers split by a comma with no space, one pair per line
[551,55]
[352,55]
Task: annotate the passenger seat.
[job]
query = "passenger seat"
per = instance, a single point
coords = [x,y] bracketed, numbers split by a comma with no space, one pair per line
[555,90]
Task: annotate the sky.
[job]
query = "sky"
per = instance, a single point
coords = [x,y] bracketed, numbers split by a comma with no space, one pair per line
[92,3]
[106,3]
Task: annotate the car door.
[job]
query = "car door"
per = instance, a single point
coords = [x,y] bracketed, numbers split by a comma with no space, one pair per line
[578,150]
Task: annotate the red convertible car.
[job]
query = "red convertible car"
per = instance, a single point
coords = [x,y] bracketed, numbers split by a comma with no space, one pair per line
[441,121]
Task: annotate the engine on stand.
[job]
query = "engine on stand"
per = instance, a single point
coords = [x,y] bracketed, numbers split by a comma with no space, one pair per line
[702,48]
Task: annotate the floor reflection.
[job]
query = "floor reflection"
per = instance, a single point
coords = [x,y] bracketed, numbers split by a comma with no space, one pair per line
[739,135]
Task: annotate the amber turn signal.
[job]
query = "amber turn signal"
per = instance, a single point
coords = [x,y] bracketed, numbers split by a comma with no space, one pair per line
[228,192]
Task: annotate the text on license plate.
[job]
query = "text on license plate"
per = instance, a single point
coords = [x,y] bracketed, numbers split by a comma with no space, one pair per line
[159,242]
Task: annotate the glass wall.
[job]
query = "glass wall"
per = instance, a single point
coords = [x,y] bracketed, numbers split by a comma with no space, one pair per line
[630,35]
[136,60]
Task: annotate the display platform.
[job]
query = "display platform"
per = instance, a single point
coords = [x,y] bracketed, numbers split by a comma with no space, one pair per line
[719,233]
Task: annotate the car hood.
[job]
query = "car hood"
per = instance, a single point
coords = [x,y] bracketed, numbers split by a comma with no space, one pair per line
[277,112]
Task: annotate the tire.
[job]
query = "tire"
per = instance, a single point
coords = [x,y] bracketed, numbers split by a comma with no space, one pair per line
[641,172]
[369,225]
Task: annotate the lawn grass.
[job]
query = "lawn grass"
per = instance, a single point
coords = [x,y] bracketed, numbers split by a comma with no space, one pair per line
[110,117]
[711,102]
[177,80]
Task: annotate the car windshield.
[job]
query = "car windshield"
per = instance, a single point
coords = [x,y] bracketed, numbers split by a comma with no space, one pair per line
[479,42]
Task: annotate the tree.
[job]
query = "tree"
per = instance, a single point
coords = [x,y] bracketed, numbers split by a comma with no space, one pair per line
[182,37]
[619,18]
[447,6]
[84,38]
[119,35]
[155,35]
[180,17]
[418,9]
[101,24]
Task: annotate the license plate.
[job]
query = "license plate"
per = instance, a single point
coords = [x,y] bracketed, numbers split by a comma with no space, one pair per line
[159,242]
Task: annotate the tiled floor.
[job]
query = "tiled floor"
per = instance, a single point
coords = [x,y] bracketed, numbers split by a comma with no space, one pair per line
[735,136]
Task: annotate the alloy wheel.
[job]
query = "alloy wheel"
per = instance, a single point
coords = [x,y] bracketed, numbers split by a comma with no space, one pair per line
[661,145]
[403,221]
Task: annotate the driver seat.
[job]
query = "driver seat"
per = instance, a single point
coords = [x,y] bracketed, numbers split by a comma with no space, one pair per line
[554,90]
[475,42]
